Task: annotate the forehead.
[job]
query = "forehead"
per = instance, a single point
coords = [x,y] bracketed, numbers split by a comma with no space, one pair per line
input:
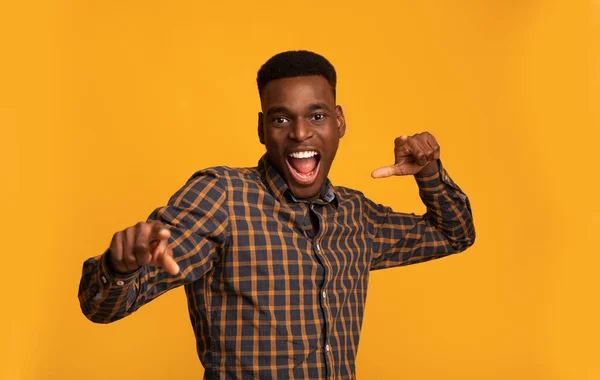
[297,92]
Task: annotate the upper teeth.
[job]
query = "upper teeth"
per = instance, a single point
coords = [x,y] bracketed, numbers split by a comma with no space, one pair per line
[306,154]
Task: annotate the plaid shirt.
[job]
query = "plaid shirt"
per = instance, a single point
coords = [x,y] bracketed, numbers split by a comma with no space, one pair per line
[267,299]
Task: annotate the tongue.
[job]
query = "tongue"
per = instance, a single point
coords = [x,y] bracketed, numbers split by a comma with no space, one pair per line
[304,165]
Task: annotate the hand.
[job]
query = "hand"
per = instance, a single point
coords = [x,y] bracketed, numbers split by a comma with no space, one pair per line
[142,244]
[415,154]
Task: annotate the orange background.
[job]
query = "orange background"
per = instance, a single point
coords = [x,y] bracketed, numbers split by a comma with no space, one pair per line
[107,107]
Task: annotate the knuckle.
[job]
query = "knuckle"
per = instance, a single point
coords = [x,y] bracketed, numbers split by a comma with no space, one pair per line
[143,259]
[140,248]
[129,260]
[115,255]
[117,237]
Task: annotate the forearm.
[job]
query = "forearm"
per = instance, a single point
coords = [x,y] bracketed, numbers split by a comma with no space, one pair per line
[448,208]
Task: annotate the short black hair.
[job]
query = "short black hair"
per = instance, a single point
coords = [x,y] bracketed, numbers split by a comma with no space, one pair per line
[295,63]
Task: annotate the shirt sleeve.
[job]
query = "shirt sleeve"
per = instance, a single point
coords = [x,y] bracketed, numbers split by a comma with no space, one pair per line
[197,217]
[403,239]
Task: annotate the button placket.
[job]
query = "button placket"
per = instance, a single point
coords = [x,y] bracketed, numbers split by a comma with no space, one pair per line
[319,251]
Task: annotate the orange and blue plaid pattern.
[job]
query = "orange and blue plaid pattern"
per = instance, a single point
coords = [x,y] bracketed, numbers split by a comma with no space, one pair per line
[268,298]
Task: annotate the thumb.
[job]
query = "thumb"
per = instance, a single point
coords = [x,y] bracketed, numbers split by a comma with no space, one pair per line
[401,140]
[168,263]
[164,255]
[400,147]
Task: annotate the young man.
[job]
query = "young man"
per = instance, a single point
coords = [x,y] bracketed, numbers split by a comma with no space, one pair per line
[275,260]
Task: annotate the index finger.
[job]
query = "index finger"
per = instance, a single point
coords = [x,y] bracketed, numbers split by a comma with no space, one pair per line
[383,172]
[158,232]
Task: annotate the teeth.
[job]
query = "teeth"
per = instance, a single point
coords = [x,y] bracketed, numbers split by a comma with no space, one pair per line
[306,154]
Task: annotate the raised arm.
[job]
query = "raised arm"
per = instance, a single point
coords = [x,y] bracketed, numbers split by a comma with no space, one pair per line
[447,226]
[179,244]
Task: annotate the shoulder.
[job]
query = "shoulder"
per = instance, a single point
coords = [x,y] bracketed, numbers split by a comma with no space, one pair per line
[225,172]
[224,176]
[213,183]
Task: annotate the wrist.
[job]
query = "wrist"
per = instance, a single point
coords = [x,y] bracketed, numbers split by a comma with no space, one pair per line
[429,169]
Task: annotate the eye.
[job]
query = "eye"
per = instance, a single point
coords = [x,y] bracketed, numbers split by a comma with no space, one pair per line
[318,116]
[279,120]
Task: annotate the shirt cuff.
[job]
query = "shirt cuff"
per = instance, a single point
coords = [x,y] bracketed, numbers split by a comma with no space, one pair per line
[108,278]
[434,182]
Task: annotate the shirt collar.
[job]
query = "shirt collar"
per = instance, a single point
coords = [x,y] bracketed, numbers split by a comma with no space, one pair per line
[275,182]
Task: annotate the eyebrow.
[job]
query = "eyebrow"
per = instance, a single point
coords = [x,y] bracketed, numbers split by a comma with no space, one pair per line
[282,109]
[277,109]
[318,106]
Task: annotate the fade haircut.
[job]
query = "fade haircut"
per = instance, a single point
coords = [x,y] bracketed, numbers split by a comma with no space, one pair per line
[295,63]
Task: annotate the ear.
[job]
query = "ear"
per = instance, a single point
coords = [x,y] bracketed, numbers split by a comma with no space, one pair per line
[341,120]
[261,131]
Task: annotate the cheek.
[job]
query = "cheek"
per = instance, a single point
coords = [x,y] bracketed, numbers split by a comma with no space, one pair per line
[331,140]
[274,149]
[274,137]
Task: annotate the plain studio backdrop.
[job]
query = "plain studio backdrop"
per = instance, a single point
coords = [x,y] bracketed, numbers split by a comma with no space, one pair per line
[108,107]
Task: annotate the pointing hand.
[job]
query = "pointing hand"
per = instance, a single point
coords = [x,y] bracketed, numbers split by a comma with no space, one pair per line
[142,244]
[412,155]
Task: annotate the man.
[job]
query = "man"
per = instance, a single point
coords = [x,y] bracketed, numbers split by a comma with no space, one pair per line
[275,260]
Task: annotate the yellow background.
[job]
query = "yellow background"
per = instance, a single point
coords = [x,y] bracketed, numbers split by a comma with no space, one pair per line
[107,107]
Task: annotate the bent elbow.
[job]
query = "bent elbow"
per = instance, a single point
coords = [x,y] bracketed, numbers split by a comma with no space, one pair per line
[465,241]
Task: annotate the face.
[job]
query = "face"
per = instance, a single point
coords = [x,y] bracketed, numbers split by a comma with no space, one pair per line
[300,125]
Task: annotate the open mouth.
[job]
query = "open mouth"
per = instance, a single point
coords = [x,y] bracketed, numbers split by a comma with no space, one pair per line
[304,166]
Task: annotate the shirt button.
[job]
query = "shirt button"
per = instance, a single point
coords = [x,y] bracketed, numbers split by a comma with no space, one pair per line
[324,295]
[327,348]
[103,280]
[120,283]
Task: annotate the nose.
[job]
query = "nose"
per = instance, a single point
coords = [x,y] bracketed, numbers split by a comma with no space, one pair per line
[301,130]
